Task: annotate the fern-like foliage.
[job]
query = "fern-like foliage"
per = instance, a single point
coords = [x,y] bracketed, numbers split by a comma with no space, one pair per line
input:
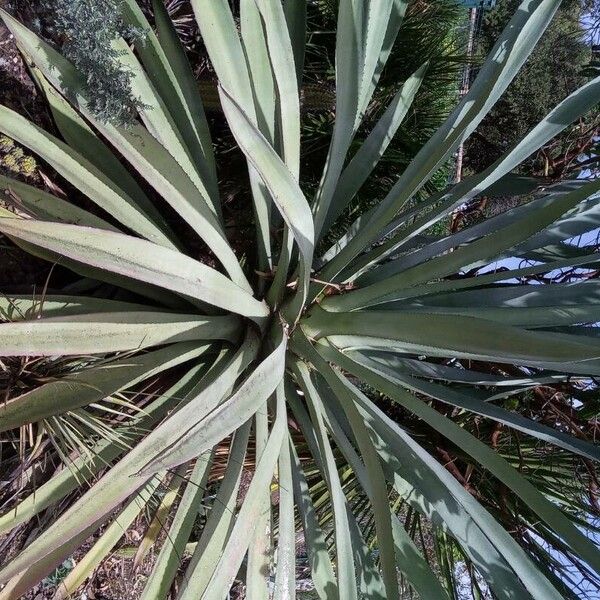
[89,29]
[85,31]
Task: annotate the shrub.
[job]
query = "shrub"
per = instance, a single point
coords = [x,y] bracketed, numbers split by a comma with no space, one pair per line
[293,342]
[84,31]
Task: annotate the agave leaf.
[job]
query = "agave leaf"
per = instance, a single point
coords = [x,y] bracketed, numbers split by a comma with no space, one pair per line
[101,333]
[101,454]
[510,572]
[585,261]
[166,65]
[261,75]
[384,368]
[575,220]
[295,16]
[322,573]
[428,370]
[509,300]
[509,185]
[220,35]
[408,558]
[462,336]
[163,173]
[365,35]
[146,154]
[282,58]
[545,253]
[583,310]
[280,182]
[376,489]
[372,149]
[510,52]
[92,385]
[281,55]
[259,550]
[346,574]
[138,259]
[94,507]
[370,581]
[348,78]
[378,19]
[241,533]
[288,104]
[207,420]
[583,218]
[219,523]
[386,383]
[546,211]
[81,173]
[518,296]
[92,181]
[20,307]
[76,132]
[161,124]
[316,542]
[45,206]
[154,294]
[106,542]
[166,565]
[373,69]
[377,492]
[170,495]
[575,105]
[263,90]
[285,575]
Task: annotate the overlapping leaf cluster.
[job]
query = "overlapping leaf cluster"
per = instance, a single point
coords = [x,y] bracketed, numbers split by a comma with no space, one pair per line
[300,343]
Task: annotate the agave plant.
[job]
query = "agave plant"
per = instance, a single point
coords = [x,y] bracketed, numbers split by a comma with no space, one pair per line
[297,340]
